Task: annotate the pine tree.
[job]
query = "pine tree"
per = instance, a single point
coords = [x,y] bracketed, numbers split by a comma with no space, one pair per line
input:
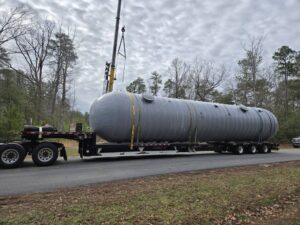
[137,86]
[155,83]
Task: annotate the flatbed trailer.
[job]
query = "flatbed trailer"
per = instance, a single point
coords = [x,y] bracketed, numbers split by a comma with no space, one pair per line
[44,148]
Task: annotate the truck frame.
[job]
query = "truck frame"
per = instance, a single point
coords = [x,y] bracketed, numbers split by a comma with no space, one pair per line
[45,152]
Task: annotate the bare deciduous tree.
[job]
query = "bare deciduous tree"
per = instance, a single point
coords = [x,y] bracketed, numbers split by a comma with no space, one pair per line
[63,58]
[285,59]
[34,48]
[178,72]
[11,27]
[251,63]
[205,78]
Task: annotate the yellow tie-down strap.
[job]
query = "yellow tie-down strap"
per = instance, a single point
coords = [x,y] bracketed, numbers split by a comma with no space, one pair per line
[139,121]
[133,120]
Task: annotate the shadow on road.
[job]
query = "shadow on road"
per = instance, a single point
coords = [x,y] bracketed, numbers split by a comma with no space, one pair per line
[119,157]
[114,158]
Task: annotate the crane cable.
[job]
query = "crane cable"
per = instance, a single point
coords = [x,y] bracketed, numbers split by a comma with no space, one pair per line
[122,43]
[123,54]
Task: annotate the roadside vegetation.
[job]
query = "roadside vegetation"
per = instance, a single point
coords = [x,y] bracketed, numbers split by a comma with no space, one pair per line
[265,194]
[38,67]
[253,82]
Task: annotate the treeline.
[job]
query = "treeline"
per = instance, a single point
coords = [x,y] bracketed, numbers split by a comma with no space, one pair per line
[275,87]
[37,59]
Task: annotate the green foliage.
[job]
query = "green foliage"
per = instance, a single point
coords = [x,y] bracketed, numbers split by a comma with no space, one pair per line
[168,87]
[137,86]
[245,95]
[11,120]
[294,90]
[4,58]
[77,117]
[12,101]
[249,65]
[289,127]
[10,87]
[62,47]
[172,91]
[224,98]
[285,61]
[23,99]
[297,65]
[156,81]
[287,65]
[40,98]
[276,89]
[39,95]
[243,90]
[176,86]
[227,196]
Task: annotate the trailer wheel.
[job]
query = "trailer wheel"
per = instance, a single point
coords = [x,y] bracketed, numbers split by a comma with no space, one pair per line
[264,149]
[220,149]
[252,149]
[239,150]
[45,154]
[12,155]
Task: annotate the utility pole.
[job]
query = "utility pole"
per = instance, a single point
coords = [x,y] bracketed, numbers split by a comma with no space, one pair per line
[113,61]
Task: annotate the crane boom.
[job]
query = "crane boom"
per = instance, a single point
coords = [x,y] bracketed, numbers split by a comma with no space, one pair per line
[114,53]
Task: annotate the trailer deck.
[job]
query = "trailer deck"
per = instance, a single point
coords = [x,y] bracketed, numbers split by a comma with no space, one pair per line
[42,145]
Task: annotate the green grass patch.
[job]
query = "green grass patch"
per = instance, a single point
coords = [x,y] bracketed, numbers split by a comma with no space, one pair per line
[186,198]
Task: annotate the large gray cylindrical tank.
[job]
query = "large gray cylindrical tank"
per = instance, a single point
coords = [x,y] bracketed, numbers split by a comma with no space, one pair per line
[113,116]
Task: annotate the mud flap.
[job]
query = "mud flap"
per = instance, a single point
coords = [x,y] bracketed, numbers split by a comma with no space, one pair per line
[63,153]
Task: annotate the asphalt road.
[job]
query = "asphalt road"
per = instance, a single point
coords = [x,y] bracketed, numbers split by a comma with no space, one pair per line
[29,179]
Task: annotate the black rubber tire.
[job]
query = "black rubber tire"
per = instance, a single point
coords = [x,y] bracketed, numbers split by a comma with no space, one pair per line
[252,149]
[264,149]
[17,151]
[239,150]
[45,146]
[220,149]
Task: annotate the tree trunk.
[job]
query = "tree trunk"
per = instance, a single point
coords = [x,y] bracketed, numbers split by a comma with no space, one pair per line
[64,92]
[55,91]
[286,95]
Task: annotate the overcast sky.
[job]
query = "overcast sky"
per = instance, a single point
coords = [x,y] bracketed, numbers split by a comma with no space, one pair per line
[159,30]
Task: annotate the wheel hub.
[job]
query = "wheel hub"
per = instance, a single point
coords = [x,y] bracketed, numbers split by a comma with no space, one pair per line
[10,156]
[265,149]
[253,149]
[45,154]
[240,150]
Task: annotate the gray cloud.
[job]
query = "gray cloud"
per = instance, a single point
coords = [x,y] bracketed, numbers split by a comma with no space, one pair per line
[159,30]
